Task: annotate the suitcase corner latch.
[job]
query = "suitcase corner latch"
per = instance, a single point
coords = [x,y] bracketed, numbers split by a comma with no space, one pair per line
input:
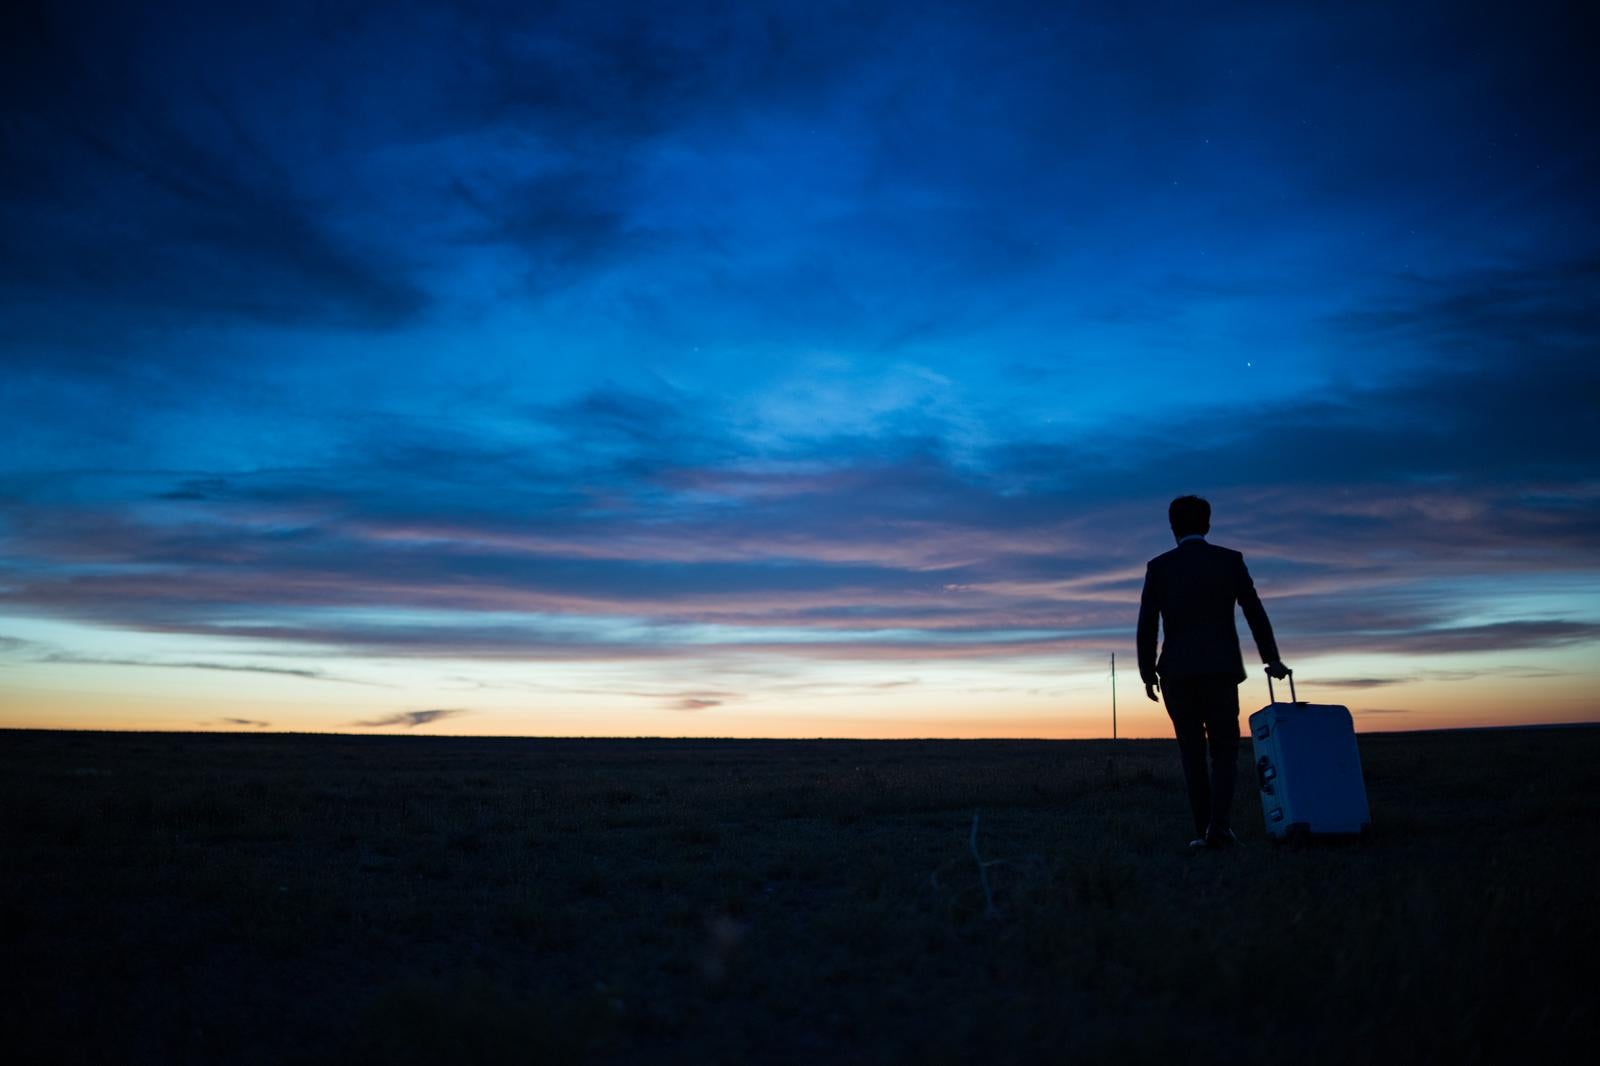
[1265,774]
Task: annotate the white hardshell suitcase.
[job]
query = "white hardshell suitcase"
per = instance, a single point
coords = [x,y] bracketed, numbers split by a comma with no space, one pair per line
[1308,768]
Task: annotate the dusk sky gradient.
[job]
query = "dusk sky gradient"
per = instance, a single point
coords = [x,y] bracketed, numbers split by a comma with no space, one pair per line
[789,369]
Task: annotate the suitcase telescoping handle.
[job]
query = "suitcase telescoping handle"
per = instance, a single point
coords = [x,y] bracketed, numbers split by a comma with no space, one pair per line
[1271,697]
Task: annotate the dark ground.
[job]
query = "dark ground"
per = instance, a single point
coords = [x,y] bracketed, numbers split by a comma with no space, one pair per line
[233,898]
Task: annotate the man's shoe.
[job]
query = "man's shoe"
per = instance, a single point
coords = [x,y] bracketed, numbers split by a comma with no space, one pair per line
[1221,838]
[1199,844]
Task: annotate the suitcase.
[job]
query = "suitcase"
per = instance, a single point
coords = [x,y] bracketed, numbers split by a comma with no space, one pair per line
[1308,769]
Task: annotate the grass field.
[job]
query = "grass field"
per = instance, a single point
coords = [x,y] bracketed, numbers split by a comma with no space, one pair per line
[278,898]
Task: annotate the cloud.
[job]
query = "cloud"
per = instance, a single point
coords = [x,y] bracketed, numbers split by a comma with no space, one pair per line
[666,541]
[258,723]
[245,668]
[403,354]
[1498,636]
[160,168]
[409,719]
[566,223]
[1435,675]
[163,194]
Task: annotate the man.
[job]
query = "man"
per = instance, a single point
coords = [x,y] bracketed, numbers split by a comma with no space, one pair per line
[1191,590]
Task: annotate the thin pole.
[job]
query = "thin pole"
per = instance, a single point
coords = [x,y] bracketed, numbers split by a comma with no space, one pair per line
[1113,695]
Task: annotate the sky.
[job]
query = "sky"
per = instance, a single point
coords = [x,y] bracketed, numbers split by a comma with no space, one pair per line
[775,369]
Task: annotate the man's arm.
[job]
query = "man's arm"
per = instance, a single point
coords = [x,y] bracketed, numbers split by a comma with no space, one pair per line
[1255,615]
[1149,619]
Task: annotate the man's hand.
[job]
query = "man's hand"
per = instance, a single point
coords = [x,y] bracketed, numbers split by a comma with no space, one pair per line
[1277,671]
[1151,688]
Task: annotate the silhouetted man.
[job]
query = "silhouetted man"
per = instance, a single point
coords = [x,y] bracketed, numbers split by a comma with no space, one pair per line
[1191,590]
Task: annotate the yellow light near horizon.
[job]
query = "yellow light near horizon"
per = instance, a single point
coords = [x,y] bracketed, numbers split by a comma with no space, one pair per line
[758,694]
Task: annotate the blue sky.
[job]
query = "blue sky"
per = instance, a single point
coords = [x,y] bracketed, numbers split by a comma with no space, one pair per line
[787,368]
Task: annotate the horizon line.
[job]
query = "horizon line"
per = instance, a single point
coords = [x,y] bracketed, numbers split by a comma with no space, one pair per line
[1528,726]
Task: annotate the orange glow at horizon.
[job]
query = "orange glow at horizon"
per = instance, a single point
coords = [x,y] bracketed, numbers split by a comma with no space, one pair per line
[970,700]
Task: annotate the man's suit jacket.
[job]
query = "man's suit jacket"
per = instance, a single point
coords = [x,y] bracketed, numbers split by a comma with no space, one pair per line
[1192,590]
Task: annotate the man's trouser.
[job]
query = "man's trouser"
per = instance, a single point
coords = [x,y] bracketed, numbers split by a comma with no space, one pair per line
[1205,710]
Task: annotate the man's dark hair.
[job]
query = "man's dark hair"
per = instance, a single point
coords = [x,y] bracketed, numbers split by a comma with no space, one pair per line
[1189,514]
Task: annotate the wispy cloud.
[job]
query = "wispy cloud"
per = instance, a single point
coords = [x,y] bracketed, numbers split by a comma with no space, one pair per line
[409,719]
[1358,682]
[224,225]
[1498,636]
[847,556]
[244,668]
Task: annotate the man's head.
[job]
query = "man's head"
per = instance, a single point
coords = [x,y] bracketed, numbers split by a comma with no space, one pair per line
[1189,514]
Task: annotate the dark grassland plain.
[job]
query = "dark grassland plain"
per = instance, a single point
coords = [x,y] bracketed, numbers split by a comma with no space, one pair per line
[283,898]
